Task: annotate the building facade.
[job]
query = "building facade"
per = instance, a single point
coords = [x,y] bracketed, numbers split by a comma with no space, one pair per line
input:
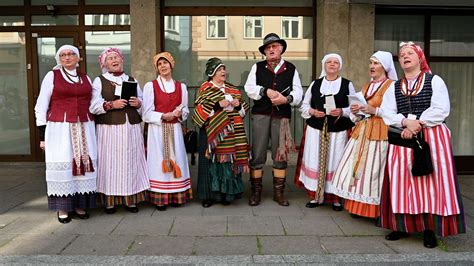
[194,31]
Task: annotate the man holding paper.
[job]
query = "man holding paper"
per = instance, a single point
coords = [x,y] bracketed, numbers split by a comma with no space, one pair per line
[326,110]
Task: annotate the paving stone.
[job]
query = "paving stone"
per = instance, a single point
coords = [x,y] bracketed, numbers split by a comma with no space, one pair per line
[102,245]
[5,239]
[199,226]
[461,242]
[359,226]
[411,245]
[6,185]
[6,219]
[268,207]
[306,225]
[355,245]
[225,245]
[255,225]
[285,245]
[96,225]
[34,206]
[239,207]
[36,244]
[144,225]
[32,225]
[190,209]
[162,245]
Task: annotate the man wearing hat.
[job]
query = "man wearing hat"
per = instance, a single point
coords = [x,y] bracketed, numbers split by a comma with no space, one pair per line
[274,86]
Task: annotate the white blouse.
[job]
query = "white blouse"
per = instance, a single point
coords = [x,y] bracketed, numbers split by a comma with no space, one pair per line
[435,115]
[149,114]
[327,88]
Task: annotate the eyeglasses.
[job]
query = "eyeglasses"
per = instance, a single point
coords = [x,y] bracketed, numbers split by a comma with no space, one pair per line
[67,55]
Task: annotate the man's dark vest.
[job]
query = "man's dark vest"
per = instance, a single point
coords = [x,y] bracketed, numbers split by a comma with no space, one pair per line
[276,81]
[418,103]
[317,102]
[116,116]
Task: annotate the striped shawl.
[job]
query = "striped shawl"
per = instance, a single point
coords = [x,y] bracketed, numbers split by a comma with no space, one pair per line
[225,131]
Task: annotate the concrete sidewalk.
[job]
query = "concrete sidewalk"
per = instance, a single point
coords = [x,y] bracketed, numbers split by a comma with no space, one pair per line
[237,233]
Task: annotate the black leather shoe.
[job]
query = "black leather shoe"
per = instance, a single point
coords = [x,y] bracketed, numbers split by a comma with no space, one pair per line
[110,210]
[161,208]
[429,239]
[312,204]
[83,216]
[64,220]
[207,203]
[175,205]
[133,209]
[395,235]
[225,203]
[337,208]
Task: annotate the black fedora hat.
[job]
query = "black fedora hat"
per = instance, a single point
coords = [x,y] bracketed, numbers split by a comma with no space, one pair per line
[271,38]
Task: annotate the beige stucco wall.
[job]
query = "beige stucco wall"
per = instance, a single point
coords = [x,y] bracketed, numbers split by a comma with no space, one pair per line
[145,31]
[346,29]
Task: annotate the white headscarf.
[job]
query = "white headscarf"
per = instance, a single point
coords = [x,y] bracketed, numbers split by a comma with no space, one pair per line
[60,50]
[386,59]
[323,63]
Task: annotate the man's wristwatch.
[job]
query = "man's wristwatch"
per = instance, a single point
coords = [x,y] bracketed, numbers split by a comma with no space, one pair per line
[289,98]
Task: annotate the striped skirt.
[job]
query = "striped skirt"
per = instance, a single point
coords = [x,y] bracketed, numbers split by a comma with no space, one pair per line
[433,202]
[122,168]
[307,169]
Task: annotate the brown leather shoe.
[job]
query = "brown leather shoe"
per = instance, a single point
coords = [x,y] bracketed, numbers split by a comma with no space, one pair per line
[256,186]
[278,188]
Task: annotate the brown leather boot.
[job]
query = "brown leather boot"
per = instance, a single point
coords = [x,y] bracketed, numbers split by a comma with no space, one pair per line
[255,197]
[278,188]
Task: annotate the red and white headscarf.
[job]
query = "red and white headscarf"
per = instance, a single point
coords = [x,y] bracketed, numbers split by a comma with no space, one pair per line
[104,54]
[421,55]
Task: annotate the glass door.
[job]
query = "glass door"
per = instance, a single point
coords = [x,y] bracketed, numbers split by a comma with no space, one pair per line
[44,47]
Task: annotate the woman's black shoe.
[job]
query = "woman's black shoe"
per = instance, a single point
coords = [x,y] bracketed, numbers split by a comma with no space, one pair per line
[395,235]
[64,220]
[312,204]
[83,216]
[161,208]
[207,204]
[175,205]
[225,203]
[110,210]
[337,208]
[429,239]
[133,209]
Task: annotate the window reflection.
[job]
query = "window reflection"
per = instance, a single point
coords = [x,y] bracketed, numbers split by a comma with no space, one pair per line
[97,41]
[14,121]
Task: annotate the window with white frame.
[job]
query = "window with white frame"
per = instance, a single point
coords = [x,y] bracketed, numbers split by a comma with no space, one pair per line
[253,26]
[291,27]
[172,23]
[216,27]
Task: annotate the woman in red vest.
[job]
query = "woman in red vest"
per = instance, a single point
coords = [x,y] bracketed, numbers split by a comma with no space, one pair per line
[67,134]
[122,177]
[165,105]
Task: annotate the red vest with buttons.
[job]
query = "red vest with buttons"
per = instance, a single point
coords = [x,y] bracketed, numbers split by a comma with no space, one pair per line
[70,101]
[167,102]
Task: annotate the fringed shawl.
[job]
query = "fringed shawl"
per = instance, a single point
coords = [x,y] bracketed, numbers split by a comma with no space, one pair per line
[225,131]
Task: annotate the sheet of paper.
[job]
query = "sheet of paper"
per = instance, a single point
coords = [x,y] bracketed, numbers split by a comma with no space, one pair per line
[357,98]
[330,104]
[118,90]
[229,98]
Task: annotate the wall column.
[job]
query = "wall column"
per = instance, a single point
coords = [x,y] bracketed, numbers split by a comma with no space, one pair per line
[346,29]
[145,38]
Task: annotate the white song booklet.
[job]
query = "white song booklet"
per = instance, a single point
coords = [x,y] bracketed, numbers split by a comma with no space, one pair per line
[330,104]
